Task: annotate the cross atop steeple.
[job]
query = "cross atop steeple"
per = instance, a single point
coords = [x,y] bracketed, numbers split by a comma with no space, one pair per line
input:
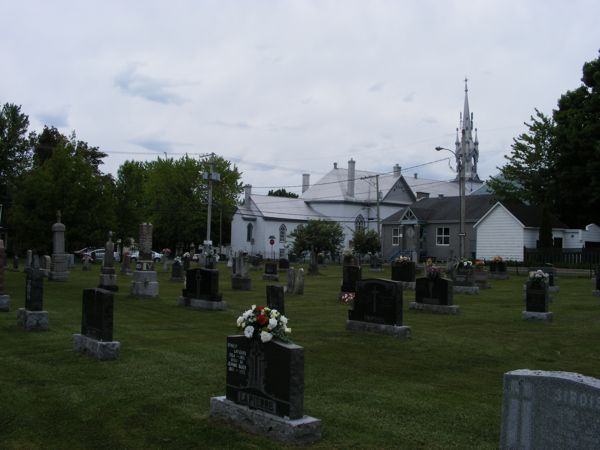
[467,149]
[466,88]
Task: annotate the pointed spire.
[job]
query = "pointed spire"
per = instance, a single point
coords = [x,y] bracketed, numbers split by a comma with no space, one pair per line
[466,115]
[457,142]
[476,140]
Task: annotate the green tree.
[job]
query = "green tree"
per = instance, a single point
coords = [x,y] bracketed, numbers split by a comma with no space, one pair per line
[366,241]
[531,172]
[317,236]
[15,149]
[130,201]
[578,142]
[282,193]
[66,181]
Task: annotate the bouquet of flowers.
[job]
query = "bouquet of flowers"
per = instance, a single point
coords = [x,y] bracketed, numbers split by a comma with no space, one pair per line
[264,323]
[432,271]
[464,264]
[402,259]
[538,278]
[498,259]
[346,297]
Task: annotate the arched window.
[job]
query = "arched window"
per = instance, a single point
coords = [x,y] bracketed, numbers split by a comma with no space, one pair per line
[282,233]
[249,232]
[359,223]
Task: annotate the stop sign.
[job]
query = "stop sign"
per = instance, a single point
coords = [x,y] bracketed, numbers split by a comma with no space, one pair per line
[272,241]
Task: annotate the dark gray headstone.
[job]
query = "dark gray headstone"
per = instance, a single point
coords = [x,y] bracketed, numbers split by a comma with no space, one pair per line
[550,411]
[350,276]
[284,263]
[463,277]
[536,297]
[34,290]
[97,314]
[378,301]
[270,268]
[266,376]
[177,270]
[202,284]
[434,291]
[404,271]
[275,298]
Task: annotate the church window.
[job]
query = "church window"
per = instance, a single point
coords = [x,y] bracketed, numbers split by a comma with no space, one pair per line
[359,223]
[249,232]
[282,233]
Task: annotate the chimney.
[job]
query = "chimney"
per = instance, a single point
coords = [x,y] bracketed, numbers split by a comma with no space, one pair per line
[351,175]
[416,175]
[335,165]
[305,182]
[247,194]
[397,170]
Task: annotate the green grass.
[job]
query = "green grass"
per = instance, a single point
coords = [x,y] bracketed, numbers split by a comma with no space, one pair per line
[441,388]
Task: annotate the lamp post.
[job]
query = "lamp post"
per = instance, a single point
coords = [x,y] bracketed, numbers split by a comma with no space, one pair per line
[461,192]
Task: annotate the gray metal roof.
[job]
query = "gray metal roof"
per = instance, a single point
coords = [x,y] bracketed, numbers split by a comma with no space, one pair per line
[282,208]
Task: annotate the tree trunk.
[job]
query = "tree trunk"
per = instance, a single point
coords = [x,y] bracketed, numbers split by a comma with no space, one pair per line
[313,268]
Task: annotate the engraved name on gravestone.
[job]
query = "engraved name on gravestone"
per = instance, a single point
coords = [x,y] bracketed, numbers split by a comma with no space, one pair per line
[275,298]
[377,301]
[34,290]
[550,410]
[97,314]
[266,376]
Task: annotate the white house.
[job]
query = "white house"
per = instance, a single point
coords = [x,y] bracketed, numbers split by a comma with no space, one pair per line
[507,228]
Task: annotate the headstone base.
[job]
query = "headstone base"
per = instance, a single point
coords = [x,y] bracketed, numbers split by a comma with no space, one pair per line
[412,285]
[32,320]
[469,290]
[179,279]
[58,276]
[108,282]
[196,303]
[101,350]
[596,293]
[4,303]
[299,431]
[375,269]
[553,288]
[536,316]
[241,284]
[437,309]
[269,277]
[388,330]
[499,276]
[144,284]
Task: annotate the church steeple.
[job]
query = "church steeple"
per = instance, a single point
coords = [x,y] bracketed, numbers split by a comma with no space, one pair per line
[466,144]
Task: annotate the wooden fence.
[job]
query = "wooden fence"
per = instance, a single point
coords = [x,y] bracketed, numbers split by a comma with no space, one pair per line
[562,256]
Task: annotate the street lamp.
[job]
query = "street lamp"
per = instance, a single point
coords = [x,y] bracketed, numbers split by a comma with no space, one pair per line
[461,189]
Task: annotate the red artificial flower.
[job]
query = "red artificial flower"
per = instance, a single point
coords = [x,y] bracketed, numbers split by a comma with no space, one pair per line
[260,308]
[262,320]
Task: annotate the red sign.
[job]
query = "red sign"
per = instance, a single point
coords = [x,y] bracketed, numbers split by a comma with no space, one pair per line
[272,241]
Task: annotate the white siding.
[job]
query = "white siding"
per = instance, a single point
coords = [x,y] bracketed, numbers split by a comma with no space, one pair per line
[573,238]
[500,234]
[591,233]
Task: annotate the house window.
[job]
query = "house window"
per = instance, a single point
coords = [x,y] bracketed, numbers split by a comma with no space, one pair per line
[282,233]
[359,223]
[249,232]
[395,236]
[282,253]
[442,236]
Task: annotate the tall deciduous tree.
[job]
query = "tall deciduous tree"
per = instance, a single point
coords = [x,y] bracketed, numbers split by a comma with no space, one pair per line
[15,149]
[578,142]
[366,241]
[130,201]
[317,236]
[282,193]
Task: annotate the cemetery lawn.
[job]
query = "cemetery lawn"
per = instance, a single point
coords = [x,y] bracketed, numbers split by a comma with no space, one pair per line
[439,389]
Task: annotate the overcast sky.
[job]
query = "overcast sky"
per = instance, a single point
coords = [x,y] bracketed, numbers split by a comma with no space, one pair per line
[285,87]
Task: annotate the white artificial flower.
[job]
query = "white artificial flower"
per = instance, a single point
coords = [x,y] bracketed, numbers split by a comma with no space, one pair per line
[272,323]
[274,313]
[265,337]
[249,331]
[240,320]
[253,307]
[288,330]
[283,320]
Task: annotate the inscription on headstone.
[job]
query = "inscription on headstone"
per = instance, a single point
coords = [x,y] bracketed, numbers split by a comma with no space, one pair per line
[550,410]
[434,291]
[266,376]
[34,290]
[145,242]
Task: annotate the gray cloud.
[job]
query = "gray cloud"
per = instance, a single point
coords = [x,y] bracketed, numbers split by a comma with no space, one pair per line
[58,119]
[154,145]
[408,98]
[133,83]
[377,87]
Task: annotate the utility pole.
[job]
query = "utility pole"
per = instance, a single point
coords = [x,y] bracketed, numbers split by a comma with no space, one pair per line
[210,176]
[378,216]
